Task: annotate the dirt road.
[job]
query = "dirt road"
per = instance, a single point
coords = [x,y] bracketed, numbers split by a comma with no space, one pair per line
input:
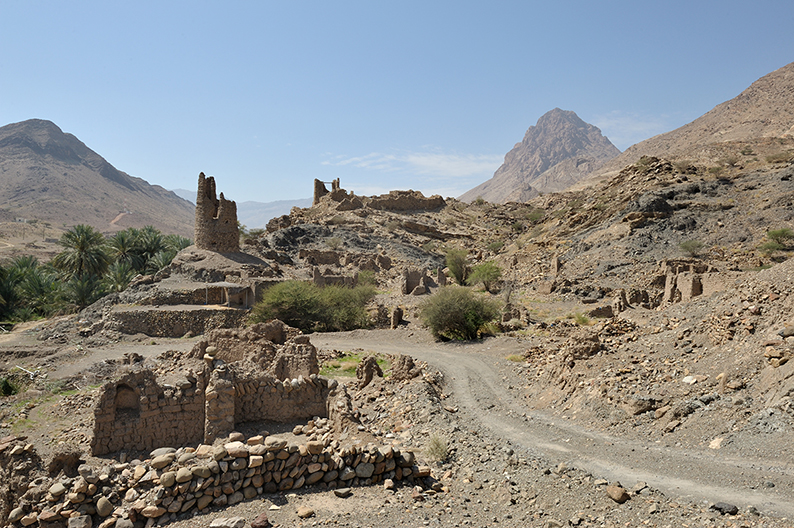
[484,393]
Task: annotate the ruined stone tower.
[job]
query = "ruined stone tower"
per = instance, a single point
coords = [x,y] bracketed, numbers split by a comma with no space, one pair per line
[321,190]
[216,220]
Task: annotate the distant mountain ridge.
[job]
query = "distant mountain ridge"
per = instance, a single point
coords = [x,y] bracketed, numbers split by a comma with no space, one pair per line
[51,176]
[764,110]
[557,152]
[255,214]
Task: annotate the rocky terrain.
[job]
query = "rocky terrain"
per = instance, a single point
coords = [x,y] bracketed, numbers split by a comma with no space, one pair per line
[557,152]
[640,373]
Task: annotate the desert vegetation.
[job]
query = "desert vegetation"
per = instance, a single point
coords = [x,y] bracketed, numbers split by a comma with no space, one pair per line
[88,267]
[313,308]
[456,312]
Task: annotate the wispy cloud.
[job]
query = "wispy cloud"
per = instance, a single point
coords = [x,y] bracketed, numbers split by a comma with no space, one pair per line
[625,129]
[430,163]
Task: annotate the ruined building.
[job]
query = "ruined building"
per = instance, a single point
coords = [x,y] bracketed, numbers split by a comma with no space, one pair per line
[321,190]
[216,219]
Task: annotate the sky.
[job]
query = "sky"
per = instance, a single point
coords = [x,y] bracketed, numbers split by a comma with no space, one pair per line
[427,95]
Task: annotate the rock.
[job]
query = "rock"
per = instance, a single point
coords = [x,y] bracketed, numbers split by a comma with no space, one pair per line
[184,475]
[343,492]
[786,332]
[31,518]
[314,448]
[57,489]
[236,436]
[388,484]
[162,461]
[416,494]
[365,470]
[104,507]
[152,512]
[218,452]
[230,522]
[204,501]
[83,521]
[124,523]
[304,512]
[236,449]
[49,516]
[16,514]
[347,474]
[617,493]
[88,473]
[261,521]
[725,508]
[160,451]
[199,471]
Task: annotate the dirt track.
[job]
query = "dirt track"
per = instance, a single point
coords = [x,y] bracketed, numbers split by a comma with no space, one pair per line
[488,397]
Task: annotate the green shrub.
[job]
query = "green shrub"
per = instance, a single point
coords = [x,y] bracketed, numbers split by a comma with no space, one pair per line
[311,308]
[780,236]
[691,247]
[333,242]
[768,248]
[8,387]
[495,246]
[780,157]
[747,151]
[458,265]
[535,215]
[455,312]
[517,226]
[486,273]
[479,201]
[367,277]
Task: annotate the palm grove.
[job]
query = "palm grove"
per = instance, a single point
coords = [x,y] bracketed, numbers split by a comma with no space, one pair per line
[89,267]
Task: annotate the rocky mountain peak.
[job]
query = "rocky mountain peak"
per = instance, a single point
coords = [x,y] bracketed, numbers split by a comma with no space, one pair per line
[557,152]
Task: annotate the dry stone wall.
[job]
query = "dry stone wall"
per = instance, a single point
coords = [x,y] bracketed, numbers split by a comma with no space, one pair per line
[136,412]
[176,484]
[167,322]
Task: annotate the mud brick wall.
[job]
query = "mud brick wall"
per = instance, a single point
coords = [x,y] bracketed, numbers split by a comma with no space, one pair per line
[137,412]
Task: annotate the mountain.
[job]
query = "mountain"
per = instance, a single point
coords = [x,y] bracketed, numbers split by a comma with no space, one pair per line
[554,154]
[51,176]
[764,110]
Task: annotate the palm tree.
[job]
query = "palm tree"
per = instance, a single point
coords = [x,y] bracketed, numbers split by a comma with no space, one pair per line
[84,253]
[119,275]
[123,247]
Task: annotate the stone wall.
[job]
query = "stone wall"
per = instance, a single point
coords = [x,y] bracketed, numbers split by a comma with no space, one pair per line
[216,219]
[176,484]
[169,322]
[136,412]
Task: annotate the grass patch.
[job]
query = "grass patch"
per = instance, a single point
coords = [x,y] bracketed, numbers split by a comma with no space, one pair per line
[345,365]
[516,358]
[437,449]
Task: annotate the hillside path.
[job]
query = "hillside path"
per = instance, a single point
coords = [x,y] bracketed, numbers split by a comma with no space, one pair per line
[481,391]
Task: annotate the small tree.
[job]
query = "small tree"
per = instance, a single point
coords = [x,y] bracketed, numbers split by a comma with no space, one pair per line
[455,312]
[487,273]
[457,264]
[691,248]
[780,236]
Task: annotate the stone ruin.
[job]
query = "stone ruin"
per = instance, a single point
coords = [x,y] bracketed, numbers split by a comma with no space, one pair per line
[216,219]
[321,190]
[267,372]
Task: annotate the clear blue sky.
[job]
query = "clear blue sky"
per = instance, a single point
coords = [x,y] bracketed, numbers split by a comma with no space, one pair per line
[266,96]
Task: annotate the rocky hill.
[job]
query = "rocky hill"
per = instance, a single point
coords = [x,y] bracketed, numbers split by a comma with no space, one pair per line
[749,121]
[53,177]
[554,154]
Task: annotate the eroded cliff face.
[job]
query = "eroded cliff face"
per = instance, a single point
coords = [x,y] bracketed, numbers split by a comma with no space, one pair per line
[554,154]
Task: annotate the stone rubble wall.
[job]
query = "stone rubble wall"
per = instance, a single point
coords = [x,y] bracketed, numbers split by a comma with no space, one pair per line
[176,484]
[216,219]
[173,323]
[136,412]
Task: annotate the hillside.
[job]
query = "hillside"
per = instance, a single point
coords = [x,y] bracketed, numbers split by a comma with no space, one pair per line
[51,176]
[554,154]
[763,111]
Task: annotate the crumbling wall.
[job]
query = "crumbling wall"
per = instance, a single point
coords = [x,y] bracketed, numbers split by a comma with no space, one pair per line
[406,201]
[166,322]
[136,412]
[216,219]
[321,190]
